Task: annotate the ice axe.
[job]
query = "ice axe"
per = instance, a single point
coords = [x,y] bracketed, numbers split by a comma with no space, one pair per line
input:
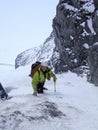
[54,86]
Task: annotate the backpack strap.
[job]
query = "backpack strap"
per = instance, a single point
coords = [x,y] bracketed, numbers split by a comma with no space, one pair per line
[34,70]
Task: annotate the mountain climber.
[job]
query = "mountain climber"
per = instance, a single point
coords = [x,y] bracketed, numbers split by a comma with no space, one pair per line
[40,76]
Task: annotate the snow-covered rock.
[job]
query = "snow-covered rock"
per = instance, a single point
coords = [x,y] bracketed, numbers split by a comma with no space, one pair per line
[75,29]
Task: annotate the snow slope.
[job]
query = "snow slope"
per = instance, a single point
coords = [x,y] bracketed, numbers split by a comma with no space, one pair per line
[74,105]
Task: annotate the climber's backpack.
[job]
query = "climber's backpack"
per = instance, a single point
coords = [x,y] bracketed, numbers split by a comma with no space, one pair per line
[34,68]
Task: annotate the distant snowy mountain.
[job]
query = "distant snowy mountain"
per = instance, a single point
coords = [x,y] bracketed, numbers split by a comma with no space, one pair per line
[41,53]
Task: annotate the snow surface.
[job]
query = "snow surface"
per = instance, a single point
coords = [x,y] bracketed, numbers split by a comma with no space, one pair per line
[74,105]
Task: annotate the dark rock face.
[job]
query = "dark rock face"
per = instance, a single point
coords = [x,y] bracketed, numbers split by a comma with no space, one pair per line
[76,31]
[96,4]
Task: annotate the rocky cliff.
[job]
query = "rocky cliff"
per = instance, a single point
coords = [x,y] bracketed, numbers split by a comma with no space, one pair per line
[75,28]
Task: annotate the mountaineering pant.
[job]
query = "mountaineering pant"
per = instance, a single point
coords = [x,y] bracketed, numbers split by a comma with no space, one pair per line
[40,87]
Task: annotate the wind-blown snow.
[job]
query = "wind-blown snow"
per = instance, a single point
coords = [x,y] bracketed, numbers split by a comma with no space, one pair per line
[74,105]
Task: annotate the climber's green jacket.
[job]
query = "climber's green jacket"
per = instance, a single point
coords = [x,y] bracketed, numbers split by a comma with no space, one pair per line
[40,77]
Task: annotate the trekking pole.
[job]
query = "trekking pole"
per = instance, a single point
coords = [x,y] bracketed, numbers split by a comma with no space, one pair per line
[54,86]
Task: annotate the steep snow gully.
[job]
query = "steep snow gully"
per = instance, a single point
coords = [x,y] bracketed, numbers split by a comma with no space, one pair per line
[74,106]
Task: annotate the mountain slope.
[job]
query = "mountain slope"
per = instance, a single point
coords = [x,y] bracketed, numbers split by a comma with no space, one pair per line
[70,107]
[43,52]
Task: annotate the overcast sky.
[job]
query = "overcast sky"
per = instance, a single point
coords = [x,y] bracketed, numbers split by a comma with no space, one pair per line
[23,25]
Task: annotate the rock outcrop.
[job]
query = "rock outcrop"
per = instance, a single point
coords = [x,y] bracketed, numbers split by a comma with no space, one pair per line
[75,28]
